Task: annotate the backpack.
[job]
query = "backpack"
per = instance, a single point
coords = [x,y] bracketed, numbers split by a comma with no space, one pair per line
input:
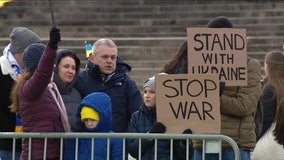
[258,117]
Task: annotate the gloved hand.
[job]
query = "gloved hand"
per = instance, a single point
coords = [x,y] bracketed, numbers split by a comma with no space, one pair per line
[54,38]
[158,127]
[221,87]
[186,131]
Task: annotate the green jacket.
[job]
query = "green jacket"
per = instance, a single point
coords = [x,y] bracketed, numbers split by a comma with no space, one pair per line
[238,106]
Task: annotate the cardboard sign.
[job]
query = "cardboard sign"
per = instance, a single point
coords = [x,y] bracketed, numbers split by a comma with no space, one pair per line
[221,51]
[188,101]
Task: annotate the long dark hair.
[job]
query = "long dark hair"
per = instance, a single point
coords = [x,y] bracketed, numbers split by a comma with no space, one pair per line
[175,62]
[274,67]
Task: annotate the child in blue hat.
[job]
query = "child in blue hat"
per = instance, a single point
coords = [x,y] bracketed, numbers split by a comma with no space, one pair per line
[95,115]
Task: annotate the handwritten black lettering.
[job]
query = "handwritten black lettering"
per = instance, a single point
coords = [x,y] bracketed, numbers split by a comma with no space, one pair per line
[187,87]
[221,58]
[206,110]
[185,110]
[225,73]
[207,41]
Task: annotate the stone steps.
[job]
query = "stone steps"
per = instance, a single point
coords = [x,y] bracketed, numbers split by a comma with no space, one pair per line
[135,18]
[158,48]
[147,32]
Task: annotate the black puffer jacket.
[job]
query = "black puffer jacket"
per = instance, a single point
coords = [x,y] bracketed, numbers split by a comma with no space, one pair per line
[268,99]
[8,119]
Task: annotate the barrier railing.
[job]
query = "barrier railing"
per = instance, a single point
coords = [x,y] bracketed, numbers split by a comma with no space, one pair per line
[212,143]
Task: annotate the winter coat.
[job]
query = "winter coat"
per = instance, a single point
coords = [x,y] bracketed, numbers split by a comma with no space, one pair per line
[101,103]
[38,109]
[70,95]
[268,99]
[141,122]
[8,119]
[125,96]
[238,106]
[267,147]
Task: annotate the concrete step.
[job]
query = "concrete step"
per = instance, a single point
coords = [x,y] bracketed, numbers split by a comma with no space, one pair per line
[147,32]
[139,18]
[157,48]
[268,29]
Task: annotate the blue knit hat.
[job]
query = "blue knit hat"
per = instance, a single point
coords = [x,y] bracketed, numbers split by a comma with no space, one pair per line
[32,55]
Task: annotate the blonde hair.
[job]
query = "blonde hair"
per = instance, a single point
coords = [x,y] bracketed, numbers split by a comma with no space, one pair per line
[15,106]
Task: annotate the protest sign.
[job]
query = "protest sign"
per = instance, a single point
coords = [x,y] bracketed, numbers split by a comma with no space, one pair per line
[222,51]
[188,101]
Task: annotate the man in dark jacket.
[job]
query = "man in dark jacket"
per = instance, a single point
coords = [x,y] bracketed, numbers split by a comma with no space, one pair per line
[107,73]
[11,66]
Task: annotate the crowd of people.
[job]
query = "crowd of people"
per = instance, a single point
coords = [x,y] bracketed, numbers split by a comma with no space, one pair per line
[43,90]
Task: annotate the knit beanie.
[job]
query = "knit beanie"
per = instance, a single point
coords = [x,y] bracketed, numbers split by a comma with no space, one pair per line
[220,22]
[151,82]
[32,55]
[21,37]
[88,112]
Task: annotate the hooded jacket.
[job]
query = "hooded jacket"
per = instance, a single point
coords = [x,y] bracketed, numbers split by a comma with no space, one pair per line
[125,96]
[70,95]
[101,103]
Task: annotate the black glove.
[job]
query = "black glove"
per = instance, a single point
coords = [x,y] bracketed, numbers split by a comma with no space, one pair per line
[221,87]
[158,127]
[54,38]
[187,131]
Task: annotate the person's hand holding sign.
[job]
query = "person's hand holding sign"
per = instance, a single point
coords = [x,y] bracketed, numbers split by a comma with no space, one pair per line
[186,131]
[221,86]
[158,127]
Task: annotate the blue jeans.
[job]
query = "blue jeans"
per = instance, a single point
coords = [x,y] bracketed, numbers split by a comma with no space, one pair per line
[227,154]
[7,155]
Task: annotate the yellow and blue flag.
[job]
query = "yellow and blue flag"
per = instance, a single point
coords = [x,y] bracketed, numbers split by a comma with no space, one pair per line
[19,125]
[88,49]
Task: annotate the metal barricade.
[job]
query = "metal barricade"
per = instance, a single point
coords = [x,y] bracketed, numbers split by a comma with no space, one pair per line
[212,143]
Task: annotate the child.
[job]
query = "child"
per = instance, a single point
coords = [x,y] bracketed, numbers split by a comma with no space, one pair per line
[145,121]
[95,113]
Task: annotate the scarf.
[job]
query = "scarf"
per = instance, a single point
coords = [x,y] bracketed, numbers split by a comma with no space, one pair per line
[10,64]
[57,97]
